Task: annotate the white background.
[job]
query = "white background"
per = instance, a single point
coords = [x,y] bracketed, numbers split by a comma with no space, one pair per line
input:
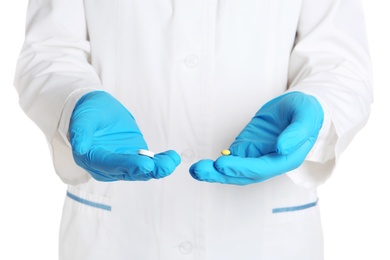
[354,202]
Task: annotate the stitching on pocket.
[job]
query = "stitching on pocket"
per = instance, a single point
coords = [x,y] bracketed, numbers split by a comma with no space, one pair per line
[88,202]
[295,208]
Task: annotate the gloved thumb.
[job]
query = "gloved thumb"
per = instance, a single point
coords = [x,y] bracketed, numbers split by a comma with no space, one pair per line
[82,126]
[81,138]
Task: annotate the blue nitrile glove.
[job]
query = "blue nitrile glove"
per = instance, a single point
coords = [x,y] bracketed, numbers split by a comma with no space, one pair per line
[275,141]
[105,141]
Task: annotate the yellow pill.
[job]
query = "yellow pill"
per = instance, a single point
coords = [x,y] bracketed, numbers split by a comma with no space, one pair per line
[225,152]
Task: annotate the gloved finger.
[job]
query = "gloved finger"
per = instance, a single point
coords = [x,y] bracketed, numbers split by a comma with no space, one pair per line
[292,138]
[132,166]
[264,167]
[204,170]
[165,163]
[250,148]
[306,123]
[103,177]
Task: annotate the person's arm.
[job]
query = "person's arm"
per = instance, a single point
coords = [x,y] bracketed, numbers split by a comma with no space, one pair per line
[56,84]
[331,62]
[53,70]
[331,94]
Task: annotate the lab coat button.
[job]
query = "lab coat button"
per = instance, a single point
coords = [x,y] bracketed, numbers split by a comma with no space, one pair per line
[188,155]
[185,248]
[191,61]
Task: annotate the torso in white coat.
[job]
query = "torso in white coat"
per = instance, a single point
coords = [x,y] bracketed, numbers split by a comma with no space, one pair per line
[193,73]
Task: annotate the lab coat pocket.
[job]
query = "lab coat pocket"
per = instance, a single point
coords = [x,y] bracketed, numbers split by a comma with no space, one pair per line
[85,226]
[291,212]
[294,226]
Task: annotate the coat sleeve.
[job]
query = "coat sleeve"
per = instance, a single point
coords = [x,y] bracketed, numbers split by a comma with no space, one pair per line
[53,70]
[330,60]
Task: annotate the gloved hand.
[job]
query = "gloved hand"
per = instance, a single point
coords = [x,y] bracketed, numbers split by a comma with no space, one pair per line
[105,141]
[275,141]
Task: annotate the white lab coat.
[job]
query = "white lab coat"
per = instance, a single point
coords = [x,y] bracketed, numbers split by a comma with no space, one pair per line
[193,73]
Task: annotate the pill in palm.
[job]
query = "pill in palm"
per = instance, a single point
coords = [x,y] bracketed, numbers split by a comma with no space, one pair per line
[146,153]
[225,152]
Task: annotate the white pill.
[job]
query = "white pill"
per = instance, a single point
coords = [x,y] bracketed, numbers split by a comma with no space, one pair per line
[146,153]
